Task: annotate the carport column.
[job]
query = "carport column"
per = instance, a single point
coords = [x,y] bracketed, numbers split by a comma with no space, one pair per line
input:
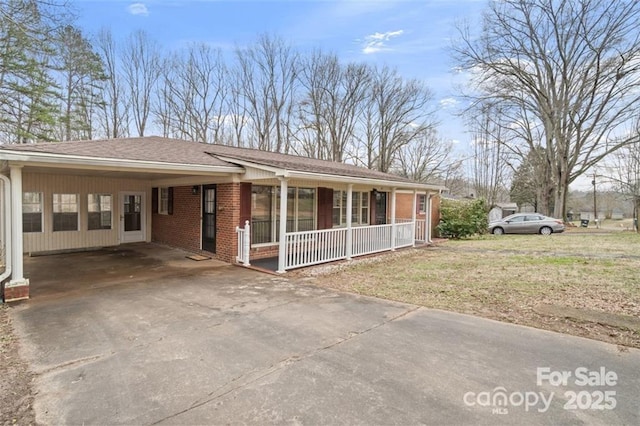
[393,219]
[349,229]
[282,243]
[413,214]
[18,287]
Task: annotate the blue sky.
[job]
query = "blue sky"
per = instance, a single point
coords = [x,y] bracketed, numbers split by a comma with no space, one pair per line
[410,35]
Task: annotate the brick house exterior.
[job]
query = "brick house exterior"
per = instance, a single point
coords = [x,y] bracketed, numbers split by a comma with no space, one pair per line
[81,195]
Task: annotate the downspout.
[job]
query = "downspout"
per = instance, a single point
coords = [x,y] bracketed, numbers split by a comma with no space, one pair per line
[6,201]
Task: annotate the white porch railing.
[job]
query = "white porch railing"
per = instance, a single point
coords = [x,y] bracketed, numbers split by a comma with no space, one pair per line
[244,243]
[404,235]
[312,247]
[371,239]
[421,228]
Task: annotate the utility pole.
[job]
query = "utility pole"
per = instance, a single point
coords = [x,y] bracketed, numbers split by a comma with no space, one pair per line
[595,206]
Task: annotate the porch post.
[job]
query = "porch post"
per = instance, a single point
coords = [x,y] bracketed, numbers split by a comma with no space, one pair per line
[413,214]
[282,243]
[18,284]
[393,219]
[349,229]
[428,219]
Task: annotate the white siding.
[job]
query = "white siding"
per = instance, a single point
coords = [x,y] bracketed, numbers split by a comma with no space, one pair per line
[48,184]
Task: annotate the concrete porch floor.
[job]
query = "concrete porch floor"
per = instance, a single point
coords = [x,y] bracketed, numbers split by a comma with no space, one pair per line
[61,274]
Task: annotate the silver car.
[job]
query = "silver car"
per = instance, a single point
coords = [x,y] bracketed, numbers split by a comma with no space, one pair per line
[526,223]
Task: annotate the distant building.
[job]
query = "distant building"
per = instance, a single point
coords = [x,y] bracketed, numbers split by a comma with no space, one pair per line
[502,210]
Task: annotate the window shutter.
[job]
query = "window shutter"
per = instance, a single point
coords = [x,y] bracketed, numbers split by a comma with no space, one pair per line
[170,194]
[245,203]
[325,208]
[154,200]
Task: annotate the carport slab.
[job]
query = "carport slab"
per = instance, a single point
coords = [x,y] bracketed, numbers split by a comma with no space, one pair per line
[230,345]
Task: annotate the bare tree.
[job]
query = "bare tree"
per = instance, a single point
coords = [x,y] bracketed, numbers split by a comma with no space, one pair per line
[268,73]
[193,95]
[427,158]
[396,112]
[574,65]
[141,60]
[488,162]
[114,114]
[624,173]
[237,109]
[81,74]
[332,100]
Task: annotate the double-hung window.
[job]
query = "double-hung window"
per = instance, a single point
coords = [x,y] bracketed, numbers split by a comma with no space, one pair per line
[99,211]
[65,212]
[32,212]
[265,212]
[422,203]
[163,200]
[359,208]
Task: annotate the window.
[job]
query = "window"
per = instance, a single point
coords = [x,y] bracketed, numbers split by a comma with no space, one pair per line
[163,200]
[265,212]
[32,212]
[65,212]
[422,203]
[359,208]
[99,211]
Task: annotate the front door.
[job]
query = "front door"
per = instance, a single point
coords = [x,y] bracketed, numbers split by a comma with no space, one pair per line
[381,208]
[209,218]
[132,218]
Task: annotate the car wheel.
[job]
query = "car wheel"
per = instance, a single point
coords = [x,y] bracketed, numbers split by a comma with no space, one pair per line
[497,231]
[545,230]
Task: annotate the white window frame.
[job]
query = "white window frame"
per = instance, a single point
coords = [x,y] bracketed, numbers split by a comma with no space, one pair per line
[343,208]
[163,200]
[422,203]
[102,212]
[41,208]
[54,212]
[275,211]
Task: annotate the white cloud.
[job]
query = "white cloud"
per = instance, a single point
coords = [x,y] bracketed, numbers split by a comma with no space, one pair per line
[138,9]
[377,42]
[447,103]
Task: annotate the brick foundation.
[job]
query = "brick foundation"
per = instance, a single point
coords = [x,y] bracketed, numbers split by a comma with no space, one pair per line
[13,293]
[264,252]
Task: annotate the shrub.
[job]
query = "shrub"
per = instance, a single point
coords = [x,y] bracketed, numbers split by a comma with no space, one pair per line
[462,218]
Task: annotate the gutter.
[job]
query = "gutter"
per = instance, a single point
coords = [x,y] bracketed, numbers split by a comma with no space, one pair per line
[284,173]
[6,201]
[117,164]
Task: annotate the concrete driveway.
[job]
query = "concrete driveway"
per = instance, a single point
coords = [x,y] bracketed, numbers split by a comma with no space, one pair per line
[230,345]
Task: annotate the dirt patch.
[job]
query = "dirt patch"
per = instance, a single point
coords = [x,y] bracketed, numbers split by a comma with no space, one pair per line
[16,392]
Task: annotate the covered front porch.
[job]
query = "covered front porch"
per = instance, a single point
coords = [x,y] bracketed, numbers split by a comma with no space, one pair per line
[300,248]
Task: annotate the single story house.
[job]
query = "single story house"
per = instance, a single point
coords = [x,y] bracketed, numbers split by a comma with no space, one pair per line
[220,200]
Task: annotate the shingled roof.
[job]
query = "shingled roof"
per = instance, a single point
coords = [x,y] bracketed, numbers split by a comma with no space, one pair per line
[177,151]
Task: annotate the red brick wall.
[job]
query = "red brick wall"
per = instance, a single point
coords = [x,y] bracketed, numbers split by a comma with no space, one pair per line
[182,228]
[227,218]
[264,251]
[404,207]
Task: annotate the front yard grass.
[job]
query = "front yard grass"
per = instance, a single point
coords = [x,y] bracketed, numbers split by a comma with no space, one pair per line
[575,283]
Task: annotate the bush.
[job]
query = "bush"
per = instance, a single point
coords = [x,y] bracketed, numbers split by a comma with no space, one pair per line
[462,218]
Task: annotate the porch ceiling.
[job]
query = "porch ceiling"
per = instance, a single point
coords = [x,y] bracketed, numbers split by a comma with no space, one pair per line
[124,174]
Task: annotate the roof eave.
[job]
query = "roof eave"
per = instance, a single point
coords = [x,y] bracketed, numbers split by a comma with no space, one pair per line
[361,180]
[102,163]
